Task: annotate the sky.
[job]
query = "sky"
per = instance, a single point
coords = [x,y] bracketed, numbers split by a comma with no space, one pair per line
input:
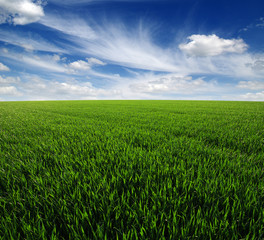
[131,49]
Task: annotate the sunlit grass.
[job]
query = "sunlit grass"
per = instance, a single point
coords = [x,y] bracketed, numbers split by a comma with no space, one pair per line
[131,170]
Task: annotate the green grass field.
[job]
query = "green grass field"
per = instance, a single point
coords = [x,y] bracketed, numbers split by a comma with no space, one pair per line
[131,170]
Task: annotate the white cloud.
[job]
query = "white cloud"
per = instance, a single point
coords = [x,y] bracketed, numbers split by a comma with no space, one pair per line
[172,84]
[52,64]
[212,45]
[28,47]
[95,61]
[4,67]
[257,65]
[257,24]
[135,48]
[140,86]
[10,91]
[39,62]
[56,58]
[253,85]
[82,91]
[130,48]
[9,80]
[4,50]
[113,43]
[37,88]
[20,12]
[29,42]
[233,65]
[260,22]
[74,89]
[81,65]
[259,96]
[43,62]
[70,25]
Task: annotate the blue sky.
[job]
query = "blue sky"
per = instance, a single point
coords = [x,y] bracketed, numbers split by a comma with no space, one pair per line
[131,49]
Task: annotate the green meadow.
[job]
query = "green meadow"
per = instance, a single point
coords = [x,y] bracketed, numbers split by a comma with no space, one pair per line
[131,170]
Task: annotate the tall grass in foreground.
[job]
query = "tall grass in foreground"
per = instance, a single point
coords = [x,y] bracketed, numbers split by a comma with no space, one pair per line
[131,170]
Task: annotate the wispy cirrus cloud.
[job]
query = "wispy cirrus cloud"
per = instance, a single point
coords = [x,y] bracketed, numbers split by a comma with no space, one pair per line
[57,67]
[259,23]
[112,42]
[43,63]
[29,42]
[53,64]
[71,25]
[40,62]
[136,48]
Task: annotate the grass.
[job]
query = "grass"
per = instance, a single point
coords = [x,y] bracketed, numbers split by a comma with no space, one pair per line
[131,170]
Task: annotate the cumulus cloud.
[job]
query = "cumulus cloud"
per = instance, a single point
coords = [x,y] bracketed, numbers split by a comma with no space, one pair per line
[10,91]
[259,96]
[63,88]
[75,89]
[253,85]
[257,65]
[20,12]
[56,58]
[4,67]
[171,83]
[212,45]
[81,65]
[9,80]
[88,91]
